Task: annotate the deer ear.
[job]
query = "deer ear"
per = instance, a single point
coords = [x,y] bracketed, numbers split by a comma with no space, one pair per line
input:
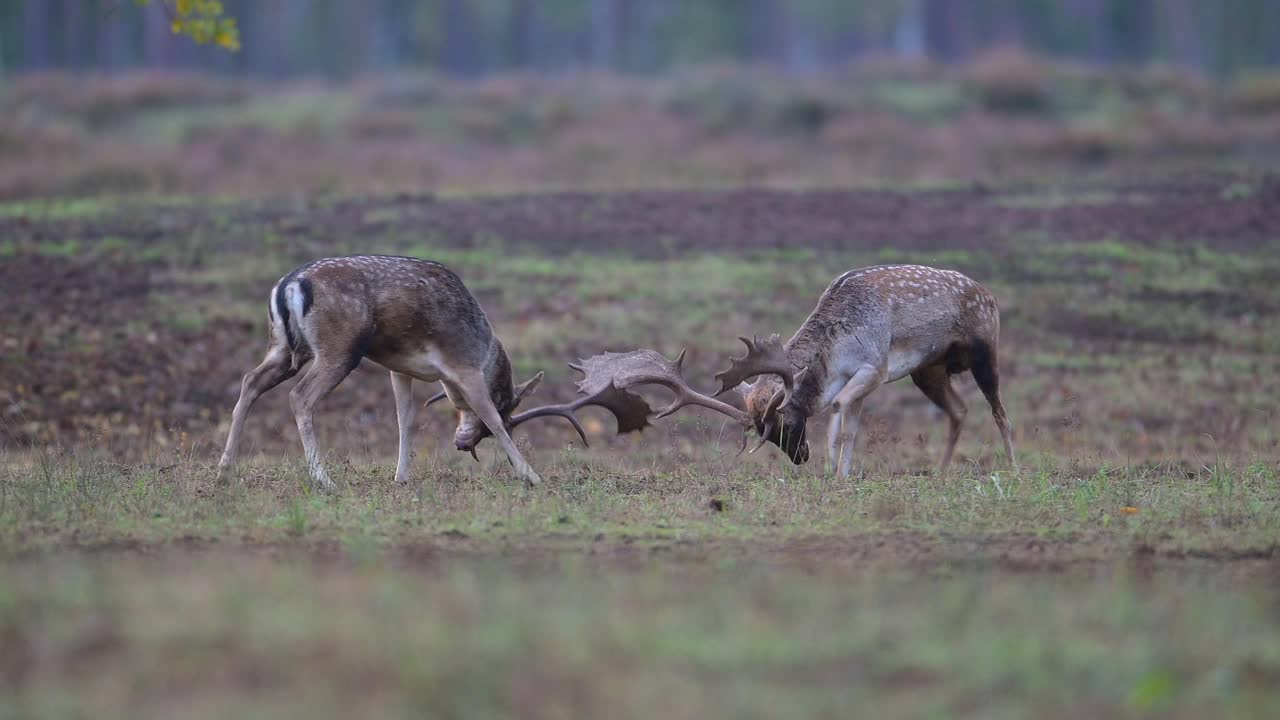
[744,388]
[526,388]
[799,378]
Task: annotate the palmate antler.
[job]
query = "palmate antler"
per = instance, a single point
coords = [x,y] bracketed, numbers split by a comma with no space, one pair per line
[764,357]
[647,367]
[608,379]
[629,409]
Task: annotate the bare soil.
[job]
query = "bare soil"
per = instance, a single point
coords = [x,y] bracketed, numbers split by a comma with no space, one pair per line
[854,556]
[659,223]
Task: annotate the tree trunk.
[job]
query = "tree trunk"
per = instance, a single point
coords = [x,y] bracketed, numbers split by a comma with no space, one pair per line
[1179,21]
[157,39]
[940,29]
[520,34]
[460,38]
[601,47]
[35,21]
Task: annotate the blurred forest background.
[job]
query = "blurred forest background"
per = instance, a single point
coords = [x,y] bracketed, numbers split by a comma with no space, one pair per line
[337,38]
[102,97]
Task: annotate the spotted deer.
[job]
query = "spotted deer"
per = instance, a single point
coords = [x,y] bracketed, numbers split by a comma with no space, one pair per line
[415,318]
[871,326]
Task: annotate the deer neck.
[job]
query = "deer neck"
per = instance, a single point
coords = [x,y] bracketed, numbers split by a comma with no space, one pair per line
[497,375]
[809,348]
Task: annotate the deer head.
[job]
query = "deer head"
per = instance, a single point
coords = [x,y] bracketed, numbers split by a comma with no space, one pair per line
[770,409]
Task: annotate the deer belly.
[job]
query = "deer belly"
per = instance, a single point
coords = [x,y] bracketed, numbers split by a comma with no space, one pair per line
[904,361]
[426,366]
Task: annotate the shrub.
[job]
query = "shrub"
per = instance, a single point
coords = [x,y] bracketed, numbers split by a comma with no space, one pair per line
[1010,81]
[1255,92]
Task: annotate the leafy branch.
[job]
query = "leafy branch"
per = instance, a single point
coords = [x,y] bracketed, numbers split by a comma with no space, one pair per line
[204,21]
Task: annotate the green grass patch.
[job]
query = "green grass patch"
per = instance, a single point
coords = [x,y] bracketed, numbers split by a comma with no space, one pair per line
[1217,506]
[645,601]
[59,209]
[248,636]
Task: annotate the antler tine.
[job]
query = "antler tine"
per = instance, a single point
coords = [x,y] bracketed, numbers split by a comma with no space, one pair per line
[629,409]
[564,411]
[647,367]
[765,357]
[435,398]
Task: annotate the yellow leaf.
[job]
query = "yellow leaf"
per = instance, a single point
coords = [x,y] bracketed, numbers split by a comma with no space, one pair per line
[176,27]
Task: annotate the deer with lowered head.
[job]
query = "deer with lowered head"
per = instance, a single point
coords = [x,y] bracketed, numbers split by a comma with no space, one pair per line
[415,318]
[871,326]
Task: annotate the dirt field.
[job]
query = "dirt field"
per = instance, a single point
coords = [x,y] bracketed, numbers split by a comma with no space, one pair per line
[131,321]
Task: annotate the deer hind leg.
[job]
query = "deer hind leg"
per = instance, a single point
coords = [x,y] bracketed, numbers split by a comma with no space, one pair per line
[475,391]
[275,369]
[402,387]
[986,372]
[935,383]
[865,380]
[319,381]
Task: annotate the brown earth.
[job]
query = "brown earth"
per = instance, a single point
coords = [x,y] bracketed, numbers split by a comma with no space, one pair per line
[662,223]
[853,556]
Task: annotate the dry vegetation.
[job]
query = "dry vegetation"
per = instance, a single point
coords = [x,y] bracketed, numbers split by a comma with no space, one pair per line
[1005,117]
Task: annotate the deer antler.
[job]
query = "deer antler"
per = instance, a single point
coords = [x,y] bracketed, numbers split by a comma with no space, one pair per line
[647,367]
[764,357]
[629,409]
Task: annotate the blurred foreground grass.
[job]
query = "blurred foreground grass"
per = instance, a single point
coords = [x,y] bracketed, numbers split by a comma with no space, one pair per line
[212,635]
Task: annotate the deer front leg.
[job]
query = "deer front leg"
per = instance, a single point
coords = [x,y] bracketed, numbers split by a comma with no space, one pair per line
[866,379]
[833,435]
[475,392]
[402,388]
[849,435]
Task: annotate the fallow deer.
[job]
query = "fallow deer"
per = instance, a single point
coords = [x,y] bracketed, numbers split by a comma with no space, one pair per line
[871,326]
[415,318]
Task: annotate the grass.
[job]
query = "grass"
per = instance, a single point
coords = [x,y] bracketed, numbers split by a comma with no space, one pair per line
[54,209]
[1215,508]
[229,634]
[129,590]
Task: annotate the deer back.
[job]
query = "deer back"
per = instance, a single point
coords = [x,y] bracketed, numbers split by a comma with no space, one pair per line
[904,315]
